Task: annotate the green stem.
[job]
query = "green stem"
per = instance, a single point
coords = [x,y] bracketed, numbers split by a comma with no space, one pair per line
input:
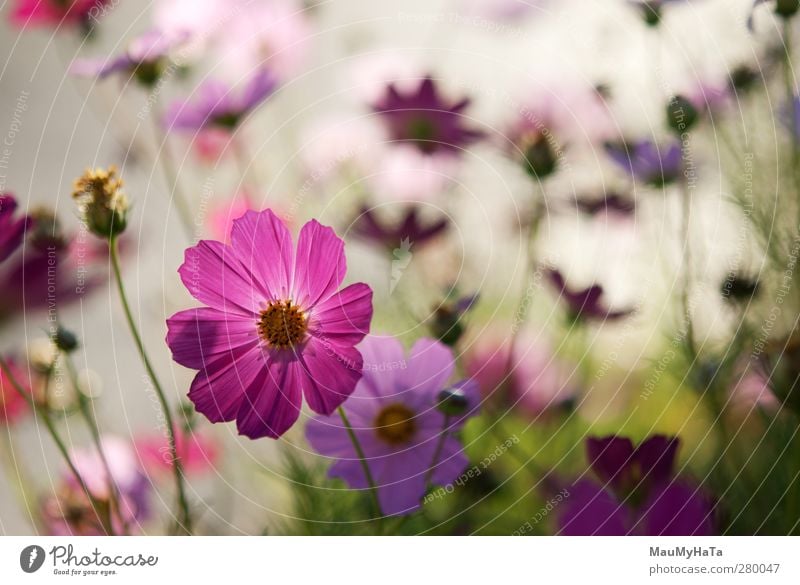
[62,448]
[185,520]
[94,431]
[373,488]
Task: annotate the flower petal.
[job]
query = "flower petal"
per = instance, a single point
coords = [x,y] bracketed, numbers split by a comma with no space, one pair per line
[200,336]
[591,511]
[430,365]
[218,389]
[329,374]
[213,275]
[264,246]
[320,264]
[271,404]
[344,318]
[384,363]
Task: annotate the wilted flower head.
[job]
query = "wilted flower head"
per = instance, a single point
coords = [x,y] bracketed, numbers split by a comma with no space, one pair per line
[145,59]
[637,493]
[12,228]
[394,415]
[103,205]
[584,303]
[389,234]
[646,161]
[424,118]
[219,106]
[57,13]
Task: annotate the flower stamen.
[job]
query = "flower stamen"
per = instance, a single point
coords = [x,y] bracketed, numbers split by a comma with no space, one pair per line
[282,325]
[395,424]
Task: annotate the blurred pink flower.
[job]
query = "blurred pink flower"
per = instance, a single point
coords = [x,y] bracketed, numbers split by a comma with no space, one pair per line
[198,452]
[41,13]
[534,381]
[221,215]
[404,173]
[13,407]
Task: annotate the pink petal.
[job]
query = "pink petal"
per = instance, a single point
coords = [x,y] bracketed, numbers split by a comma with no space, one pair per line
[199,336]
[271,404]
[213,275]
[218,389]
[344,318]
[264,246]
[320,264]
[328,374]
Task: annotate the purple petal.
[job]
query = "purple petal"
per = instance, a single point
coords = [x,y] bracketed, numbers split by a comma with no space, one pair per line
[450,464]
[430,365]
[199,336]
[656,458]
[589,510]
[677,509]
[213,275]
[344,318]
[320,264]
[328,437]
[611,459]
[264,246]
[384,363]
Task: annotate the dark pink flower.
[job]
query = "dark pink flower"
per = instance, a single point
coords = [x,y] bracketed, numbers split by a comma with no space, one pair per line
[407,441]
[371,227]
[55,12]
[13,406]
[424,118]
[198,452]
[584,303]
[12,229]
[276,327]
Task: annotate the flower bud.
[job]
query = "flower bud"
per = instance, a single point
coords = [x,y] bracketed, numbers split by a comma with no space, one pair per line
[103,205]
[452,402]
[540,158]
[65,340]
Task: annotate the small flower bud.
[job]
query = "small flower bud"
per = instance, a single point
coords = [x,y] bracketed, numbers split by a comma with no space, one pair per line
[103,205]
[452,402]
[681,114]
[65,340]
[787,8]
[540,158]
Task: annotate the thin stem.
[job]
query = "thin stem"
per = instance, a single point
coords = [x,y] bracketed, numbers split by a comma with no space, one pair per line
[171,178]
[25,493]
[439,448]
[686,218]
[62,448]
[94,431]
[373,489]
[185,521]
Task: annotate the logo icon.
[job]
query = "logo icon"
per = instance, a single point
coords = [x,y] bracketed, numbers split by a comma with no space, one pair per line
[31,558]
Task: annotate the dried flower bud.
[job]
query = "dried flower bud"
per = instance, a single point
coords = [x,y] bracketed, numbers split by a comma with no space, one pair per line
[47,232]
[103,205]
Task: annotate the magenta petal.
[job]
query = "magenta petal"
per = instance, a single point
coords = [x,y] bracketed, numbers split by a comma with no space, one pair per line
[329,374]
[320,264]
[430,366]
[218,389]
[677,509]
[213,275]
[199,336]
[344,318]
[271,404]
[264,247]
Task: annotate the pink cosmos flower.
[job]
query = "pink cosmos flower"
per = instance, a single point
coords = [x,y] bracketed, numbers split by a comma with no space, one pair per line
[276,327]
[198,452]
[12,406]
[55,12]
[407,441]
[69,512]
[12,229]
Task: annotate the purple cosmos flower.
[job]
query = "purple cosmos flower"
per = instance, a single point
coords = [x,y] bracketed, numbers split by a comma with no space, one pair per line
[647,161]
[369,226]
[423,118]
[408,443]
[276,329]
[585,303]
[220,106]
[638,494]
[145,58]
[12,229]
[611,203]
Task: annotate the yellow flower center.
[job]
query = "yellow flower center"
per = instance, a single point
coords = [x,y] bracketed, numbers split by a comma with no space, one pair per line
[395,424]
[282,325]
